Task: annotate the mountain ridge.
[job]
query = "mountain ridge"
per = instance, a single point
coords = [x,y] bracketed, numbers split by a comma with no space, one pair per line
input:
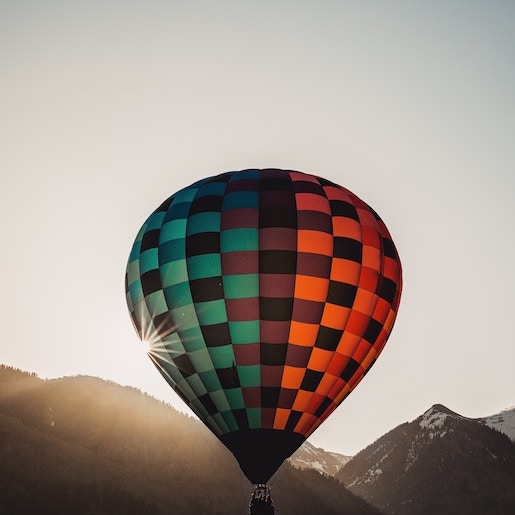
[95,441]
[84,445]
[441,462]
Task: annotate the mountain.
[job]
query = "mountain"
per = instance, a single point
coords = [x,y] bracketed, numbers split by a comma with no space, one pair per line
[440,463]
[330,463]
[503,421]
[87,446]
[307,456]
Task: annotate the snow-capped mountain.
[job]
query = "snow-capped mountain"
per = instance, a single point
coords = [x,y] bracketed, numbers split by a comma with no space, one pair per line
[503,421]
[433,421]
[307,456]
[440,463]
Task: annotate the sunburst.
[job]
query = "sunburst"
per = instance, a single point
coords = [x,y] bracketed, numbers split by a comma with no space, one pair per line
[157,339]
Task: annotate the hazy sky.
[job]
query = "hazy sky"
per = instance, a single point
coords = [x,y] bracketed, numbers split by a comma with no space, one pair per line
[107,107]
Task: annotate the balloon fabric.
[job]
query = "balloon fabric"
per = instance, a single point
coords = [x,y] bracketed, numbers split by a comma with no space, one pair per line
[264,297]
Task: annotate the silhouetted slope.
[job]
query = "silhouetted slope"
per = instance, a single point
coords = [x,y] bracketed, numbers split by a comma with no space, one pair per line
[86,446]
[441,463]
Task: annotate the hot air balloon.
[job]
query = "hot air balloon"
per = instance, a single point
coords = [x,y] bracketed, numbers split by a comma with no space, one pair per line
[264,297]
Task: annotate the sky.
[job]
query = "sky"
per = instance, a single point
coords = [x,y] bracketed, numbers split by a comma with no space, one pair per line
[109,107]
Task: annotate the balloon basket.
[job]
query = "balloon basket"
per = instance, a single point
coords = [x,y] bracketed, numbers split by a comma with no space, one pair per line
[261,501]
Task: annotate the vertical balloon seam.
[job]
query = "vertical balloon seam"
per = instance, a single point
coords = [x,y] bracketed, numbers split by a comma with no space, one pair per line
[363,340]
[306,417]
[315,421]
[358,372]
[133,282]
[230,244]
[295,416]
[261,418]
[276,422]
[259,409]
[133,267]
[283,407]
[382,337]
[384,334]
[165,327]
[192,341]
[237,412]
[130,281]
[352,382]
[339,344]
[218,396]
[361,371]
[228,414]
[174,290]
[148,330]
[309,418]
[264,175]
[396,279]
[149,333]
[174,371]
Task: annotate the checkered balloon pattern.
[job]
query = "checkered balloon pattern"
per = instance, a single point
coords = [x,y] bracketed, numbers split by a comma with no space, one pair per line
[264,297]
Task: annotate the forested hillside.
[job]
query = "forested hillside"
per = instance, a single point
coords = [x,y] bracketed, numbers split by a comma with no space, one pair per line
[82,445]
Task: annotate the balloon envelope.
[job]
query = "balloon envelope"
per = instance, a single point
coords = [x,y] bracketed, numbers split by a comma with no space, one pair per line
[264,297]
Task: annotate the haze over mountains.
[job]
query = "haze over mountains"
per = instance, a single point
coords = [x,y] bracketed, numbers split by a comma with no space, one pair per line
[82,445]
